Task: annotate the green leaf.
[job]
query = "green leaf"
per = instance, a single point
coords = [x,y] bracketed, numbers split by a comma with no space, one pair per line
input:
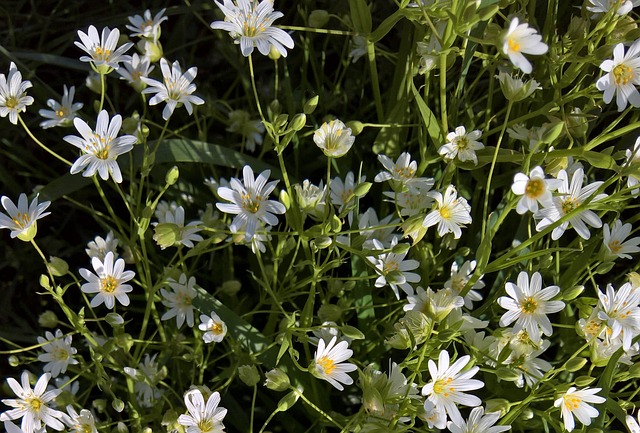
[430,122]
[361,16]
[386,26]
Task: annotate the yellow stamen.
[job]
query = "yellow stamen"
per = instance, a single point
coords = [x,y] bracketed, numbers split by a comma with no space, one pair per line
[108,284]
[326,364]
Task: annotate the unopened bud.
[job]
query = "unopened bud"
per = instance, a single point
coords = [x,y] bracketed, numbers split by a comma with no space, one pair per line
[48,319]
[277,380]
[249,374]
[172,175]
[57,266]
[318,18]
[310,105]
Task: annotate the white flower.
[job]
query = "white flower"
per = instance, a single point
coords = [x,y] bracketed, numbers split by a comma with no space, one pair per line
[99,247]
[393,269]
[534,189]
[176,88]
[22,220]
[621,312]
[435,305]
[202,418]
[249,202]
[571,197]
[459,278]
[328,363]
[479,422]
[633,160]
[529,305]
[533,135]
[447,385]
[146,377]
[134,69]
[32,405]
[311,199]
[632,424]
[107,281]
[371,227]
[462,144]
[101,147]
[82,422]
[145,26]
[429,51]
[334,138]
[180,300]
[58,352]
[415,199]
[358,47]
[251,130]
[214,328]
[342,192]
[450,212]
[250,22]
[13,94]
[520,38]
[622,7]
[185,234]
[614,240]
[61,113]
[623,74]
[574,402]
[402,171]
[103,52]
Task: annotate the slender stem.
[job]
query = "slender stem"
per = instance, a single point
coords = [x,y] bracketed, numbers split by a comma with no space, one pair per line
[33,137]
[102,92]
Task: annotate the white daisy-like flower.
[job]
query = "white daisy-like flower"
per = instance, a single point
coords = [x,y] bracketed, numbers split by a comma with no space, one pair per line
[108,281]
[61,113]
[328,363]
[632,424]
[402,171]
[460,275]
[623,75]
[519,39]
[448,385]
[570,197]
[22,219]
[312,199]
[534,189]
[176,89]
[249,202]
[146,377]
[435,305]
[393,269]
[32,405]
[103,51]
[342,192]
[450,212]
[99,247]
[621,311]
[82,422]
[180,300]
[615,240]
[134,69]
[145,26]
[382,229]
[599,7]
[334,138]
[415,199]
[434,416]
[529,304]
[213,327]
[462,144]
[101,147]
[251,129]
[479,422]
[13,94]
[58,352]
[575,403]
[185,234]
[202,418]
[250,24]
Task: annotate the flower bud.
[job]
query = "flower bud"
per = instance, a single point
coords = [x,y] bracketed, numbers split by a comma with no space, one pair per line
[166,234]
[57,266]
[310,105]
[298,121]
[277,380]
[172,175]
[274,54]
[231,287]
[48,319]
[318,18]
[249,374]
[153,50]
[355,126]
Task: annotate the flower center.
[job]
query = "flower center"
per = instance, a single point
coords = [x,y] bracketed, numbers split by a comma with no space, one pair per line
[183,299]
[60,354]
[22,220]
[173,90]
[34,403]
[462,143]
[569,204]
[390,266]
[513,45]
[11,102]
[205,425]
[622,74]
[102,54]
[571,402]
[326,364]
[442,386]
[445,212]
[615,247]
[458,283]
[102,153]
[529,305]
[534,188]
[108,284]
[404,172]
[251,205]
[216,328]
[62,112]
[251,27]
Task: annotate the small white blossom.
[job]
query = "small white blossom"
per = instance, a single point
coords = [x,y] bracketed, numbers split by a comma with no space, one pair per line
[134,69]
[620,310]
[251,130]
[146,377]
[186,234]
[462,144]
[22,219]
[176,89]
[180,300]
[82,422]
[575,403]
[632,424]
[213,327]
[61,113]
[107,282]
[599,7]
[623,75]
[515,89]
[250,24]
[202,418]
[32,405]
[479,422]
[334,138]
[519,39]
[103,52]
[58,352]
[450,212]
[145,26]
[403,171]
[99,247]
[393,269]
[13,94]
[460,275]
[358,47]
[534,189]
[328,363]
[615,240]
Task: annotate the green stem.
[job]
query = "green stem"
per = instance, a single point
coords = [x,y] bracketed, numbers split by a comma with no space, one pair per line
[26,128]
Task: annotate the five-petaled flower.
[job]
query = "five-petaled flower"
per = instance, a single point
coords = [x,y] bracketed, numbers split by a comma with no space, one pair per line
[534,189]
[61,113]
[214,328]
[250,23]
[103,51]
[58,352]
[203,417]
[13,94]
[575,402]
[450,212]
[22,220]
[519,39]
[180,300]
[623,75]
[462,144]
[108,281]
[328,363]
